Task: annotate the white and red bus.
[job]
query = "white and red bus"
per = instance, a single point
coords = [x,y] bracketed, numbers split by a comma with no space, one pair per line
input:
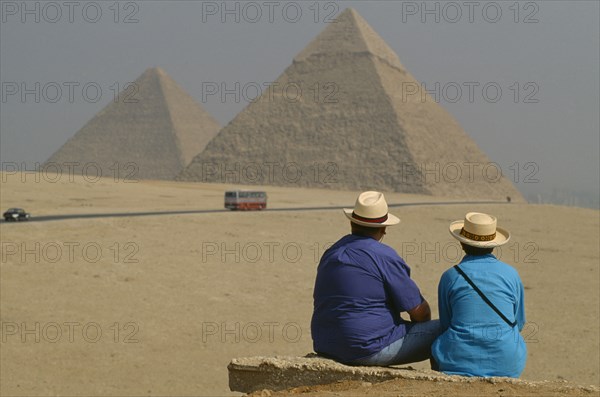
[245,200]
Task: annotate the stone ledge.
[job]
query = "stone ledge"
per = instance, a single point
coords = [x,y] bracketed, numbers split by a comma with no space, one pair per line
[250,374]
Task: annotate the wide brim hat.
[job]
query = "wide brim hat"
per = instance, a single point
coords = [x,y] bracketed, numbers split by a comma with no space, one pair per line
[371,210]
[479,230]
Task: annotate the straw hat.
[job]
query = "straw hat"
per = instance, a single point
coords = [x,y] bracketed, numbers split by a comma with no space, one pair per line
[479,230]
[371,210]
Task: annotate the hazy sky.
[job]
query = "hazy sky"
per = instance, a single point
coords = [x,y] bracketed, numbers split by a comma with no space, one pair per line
[543,55]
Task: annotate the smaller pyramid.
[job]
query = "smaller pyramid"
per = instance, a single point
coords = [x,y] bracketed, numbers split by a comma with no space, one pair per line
[153,124]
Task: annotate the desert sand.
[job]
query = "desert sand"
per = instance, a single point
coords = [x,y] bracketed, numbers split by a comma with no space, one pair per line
[159,305]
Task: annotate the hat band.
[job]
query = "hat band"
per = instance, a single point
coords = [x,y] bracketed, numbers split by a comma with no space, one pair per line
[477,237]
[370,220]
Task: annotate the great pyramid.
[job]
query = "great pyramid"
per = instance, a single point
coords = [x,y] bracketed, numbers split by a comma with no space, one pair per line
[153,124]
[341,117]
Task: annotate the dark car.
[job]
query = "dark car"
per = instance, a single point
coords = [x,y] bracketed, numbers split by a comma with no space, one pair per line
[16,214]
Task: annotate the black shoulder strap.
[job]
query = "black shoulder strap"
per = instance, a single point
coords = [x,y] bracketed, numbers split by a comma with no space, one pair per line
[486,300]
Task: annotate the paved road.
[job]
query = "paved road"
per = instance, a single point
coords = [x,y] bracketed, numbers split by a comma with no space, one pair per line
[47,218]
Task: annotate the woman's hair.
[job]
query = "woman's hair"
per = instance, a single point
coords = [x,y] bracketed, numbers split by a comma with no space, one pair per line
[476,251]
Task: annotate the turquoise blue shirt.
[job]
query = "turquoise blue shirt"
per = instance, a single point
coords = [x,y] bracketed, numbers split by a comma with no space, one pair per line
[476,341]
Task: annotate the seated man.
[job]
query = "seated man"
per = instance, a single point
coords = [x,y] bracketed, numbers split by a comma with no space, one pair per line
[361,288]
[481,306]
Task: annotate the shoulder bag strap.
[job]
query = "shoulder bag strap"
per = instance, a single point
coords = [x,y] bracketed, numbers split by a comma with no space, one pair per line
[485,299]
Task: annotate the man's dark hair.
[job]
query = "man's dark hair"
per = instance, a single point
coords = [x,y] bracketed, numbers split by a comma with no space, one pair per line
[476,251]
[364,230]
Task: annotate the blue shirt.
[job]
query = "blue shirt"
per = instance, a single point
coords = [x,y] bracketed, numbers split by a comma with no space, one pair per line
[476,341]
[361,287]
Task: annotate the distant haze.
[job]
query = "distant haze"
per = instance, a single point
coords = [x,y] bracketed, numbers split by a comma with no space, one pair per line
[522,78]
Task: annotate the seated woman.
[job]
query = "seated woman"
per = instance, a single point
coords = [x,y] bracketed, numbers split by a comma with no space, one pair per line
[481,306]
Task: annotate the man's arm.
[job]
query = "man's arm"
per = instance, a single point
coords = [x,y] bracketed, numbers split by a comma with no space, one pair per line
[420,313]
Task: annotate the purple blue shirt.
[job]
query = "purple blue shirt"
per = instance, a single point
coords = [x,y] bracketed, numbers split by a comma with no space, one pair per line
[361,288]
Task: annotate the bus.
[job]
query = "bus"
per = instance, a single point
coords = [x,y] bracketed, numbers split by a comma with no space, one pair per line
[245,200]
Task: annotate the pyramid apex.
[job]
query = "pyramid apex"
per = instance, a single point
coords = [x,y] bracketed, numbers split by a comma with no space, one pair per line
[349,33]
[350,11]
[155,70]
[350,15]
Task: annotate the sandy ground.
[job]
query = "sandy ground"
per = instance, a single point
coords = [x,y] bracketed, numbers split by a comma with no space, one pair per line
[159,305]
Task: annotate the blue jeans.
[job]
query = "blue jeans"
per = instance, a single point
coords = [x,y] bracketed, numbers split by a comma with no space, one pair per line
[414,346]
